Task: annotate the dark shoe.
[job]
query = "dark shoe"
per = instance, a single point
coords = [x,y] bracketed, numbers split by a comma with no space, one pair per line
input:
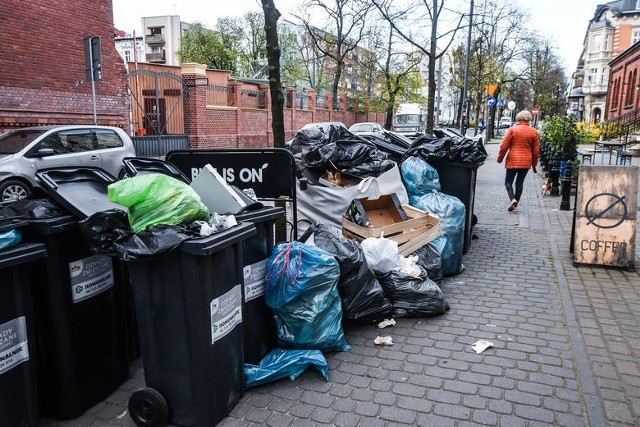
[513,205]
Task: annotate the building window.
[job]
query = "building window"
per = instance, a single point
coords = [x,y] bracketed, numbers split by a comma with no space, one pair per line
[637,4]
[155,30]
[593,76]
[607,41]
[127,55]
[595,43]
[635,36]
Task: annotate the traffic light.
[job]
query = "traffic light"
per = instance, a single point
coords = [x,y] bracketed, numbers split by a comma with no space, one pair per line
[92,59]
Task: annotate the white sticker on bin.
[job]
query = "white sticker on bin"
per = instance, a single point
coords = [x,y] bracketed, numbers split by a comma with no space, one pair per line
[226,313]
[90,277]
[254,282]
[14,348]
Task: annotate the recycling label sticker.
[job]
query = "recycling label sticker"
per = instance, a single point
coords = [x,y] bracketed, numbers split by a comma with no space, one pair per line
[14,348]
[226,313]
[254,282]
[90,276]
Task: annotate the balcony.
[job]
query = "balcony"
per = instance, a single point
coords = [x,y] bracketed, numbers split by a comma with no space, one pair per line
[156,57]
[603,56]
[154,39]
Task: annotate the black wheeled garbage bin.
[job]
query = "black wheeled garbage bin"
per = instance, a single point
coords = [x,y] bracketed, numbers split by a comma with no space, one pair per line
[458,179]
[259,326]
[18,383]
[79,307]
[189,310]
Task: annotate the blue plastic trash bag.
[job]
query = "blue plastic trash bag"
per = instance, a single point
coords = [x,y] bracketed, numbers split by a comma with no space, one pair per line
[281,363]
[451,212]
[419,177]
[155,199]
[301,289]
[9,238]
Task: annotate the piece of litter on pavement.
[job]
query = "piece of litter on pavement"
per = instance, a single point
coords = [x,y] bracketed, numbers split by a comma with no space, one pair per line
[481,345]
[386,322]
[383,341]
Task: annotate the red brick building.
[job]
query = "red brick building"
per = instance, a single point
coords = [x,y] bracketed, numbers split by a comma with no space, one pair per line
[42,65]
[623,95]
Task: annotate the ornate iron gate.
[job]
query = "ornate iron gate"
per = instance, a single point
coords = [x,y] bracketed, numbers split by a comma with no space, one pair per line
[157,102]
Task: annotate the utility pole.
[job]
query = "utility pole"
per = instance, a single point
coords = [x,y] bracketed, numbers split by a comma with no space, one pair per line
[466,71]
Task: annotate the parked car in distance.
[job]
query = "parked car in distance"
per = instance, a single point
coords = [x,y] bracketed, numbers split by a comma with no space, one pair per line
[26,150]
[505,122]
[366,128]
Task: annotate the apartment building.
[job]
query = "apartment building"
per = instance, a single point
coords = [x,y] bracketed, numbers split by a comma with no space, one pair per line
[615,27]
[161,35]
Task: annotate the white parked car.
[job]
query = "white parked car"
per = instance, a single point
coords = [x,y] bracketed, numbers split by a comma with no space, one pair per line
[26,150]
[505,122]
[366,128]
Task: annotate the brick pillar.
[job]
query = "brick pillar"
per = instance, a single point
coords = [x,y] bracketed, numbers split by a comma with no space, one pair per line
[269,121]
[195,78]
[237,102]
[313,97]
[291,93]
[343,102]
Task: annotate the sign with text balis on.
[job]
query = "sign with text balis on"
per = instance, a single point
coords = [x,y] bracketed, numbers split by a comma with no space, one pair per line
[270,172]
[606,216]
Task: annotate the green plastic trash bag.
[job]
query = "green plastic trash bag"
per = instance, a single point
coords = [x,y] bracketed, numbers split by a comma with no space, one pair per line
[157,199]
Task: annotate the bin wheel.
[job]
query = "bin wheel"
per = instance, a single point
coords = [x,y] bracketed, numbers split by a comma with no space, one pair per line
[147,408]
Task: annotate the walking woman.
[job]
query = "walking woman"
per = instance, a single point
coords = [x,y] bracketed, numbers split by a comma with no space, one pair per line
[521,146]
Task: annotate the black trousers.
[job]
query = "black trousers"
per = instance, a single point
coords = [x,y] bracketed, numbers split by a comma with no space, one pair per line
[518,175]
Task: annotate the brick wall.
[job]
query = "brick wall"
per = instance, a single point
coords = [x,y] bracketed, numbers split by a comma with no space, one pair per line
[42,67]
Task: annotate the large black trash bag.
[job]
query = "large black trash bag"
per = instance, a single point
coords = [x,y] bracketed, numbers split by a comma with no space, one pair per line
[446,148]
[32,209]
[363,299]
[109,233]
[413,296]
[430,259]
[355,156]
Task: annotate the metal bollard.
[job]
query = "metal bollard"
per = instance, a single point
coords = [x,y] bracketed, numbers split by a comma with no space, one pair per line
[567,178]
[554,175]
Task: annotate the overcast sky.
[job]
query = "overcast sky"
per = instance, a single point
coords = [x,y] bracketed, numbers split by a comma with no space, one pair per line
[564,21]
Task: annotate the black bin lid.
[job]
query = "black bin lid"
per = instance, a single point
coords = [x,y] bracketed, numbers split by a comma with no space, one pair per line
[139,166]
[82,190]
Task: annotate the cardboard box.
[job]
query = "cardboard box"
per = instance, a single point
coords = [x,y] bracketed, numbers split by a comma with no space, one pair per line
[376,212]
[410,235]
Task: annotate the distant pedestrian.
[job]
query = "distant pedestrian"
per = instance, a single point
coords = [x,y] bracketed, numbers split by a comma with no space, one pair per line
[481,125]
[521,145]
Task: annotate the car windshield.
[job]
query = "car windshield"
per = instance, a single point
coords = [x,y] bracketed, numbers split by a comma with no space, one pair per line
[405,119]
[13,141]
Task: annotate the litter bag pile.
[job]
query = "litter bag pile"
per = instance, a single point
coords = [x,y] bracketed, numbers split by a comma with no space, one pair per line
[301,289]
[362,297]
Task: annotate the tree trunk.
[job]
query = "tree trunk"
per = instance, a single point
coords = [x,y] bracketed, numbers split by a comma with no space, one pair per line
[271,15]
[432,69]
[336,82]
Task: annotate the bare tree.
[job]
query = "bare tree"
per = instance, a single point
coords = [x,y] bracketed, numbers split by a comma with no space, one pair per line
[271,16]
[345,28]
[404,19]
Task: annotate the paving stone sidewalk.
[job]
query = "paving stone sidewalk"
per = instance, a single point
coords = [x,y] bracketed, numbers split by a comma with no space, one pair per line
[566,341]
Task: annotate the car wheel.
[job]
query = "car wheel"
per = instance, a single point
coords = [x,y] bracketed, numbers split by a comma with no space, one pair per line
[13,190]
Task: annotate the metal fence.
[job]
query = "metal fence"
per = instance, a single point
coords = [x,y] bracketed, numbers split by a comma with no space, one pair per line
[302,101]
[253,98]
[159,145]
[220,95]
[321,101]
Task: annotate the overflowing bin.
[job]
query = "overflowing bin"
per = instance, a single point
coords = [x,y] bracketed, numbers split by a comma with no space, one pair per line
[18,383]
[190,322]
[259,327]
[458,179]
[79,300]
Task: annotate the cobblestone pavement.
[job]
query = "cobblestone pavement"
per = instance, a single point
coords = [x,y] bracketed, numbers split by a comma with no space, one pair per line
[566,341]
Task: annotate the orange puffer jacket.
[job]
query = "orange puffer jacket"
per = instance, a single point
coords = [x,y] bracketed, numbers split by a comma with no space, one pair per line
[521,146]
